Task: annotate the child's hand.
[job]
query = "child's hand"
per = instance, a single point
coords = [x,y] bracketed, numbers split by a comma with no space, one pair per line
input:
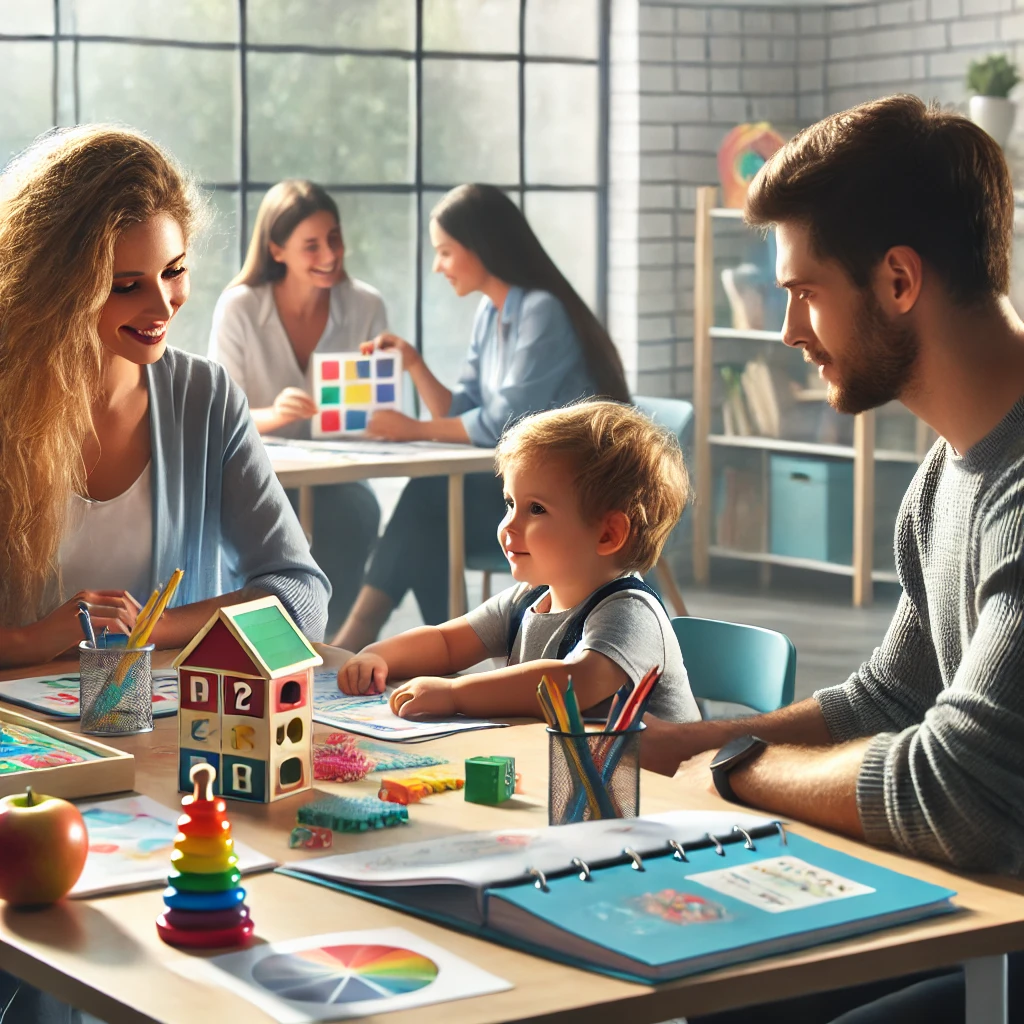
[427,695]
[362,674]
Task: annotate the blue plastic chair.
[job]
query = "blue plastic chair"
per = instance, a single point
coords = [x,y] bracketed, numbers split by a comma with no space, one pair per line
[740,664]
[675,414]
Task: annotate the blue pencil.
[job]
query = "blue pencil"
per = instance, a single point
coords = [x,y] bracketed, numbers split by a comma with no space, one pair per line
[85,620]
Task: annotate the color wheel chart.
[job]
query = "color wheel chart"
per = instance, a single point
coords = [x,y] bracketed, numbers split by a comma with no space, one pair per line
[348,388]
[344,974]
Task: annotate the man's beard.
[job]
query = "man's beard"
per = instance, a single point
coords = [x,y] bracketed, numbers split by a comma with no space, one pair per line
[881,364]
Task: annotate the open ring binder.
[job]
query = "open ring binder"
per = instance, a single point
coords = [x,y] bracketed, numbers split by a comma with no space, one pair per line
[677,849]
[737,883]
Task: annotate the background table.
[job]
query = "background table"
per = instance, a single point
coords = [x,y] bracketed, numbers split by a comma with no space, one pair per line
[341,462]
[104,956]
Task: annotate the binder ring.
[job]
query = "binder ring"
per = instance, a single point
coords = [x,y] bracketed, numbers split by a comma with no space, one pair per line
[719,849]
[677,850]
[782,832]
[748,843]
[584,870]
[541,879]
[638,861]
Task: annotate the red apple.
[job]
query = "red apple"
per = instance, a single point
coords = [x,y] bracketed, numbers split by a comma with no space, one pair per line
[43,844]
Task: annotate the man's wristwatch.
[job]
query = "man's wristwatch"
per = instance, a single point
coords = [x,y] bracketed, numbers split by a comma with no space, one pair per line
[733,754]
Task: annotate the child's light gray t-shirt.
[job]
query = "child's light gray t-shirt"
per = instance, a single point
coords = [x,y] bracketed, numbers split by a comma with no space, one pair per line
[630,627]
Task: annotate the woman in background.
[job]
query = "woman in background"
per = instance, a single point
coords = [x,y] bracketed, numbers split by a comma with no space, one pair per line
[293,298]
[535,346]
[121,459]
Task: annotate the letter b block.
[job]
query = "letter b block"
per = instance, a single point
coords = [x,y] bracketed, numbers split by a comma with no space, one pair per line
[244,778]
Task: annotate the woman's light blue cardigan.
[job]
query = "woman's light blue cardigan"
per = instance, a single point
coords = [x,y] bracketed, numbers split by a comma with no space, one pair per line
[218,510]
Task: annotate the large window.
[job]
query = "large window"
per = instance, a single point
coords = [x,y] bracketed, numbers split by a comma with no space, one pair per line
[388,103]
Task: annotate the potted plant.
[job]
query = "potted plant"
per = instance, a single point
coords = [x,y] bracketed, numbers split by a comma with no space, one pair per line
[991,80]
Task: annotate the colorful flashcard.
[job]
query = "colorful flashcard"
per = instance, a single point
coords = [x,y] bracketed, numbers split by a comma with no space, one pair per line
[371,715]
[130,844]
[348,387]
[58,695]
[345,975]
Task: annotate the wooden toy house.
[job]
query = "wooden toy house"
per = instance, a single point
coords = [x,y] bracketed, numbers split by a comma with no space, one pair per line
[245,686]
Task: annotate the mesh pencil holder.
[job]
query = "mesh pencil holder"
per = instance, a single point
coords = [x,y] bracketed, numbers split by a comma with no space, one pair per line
[116,691]
[593,775]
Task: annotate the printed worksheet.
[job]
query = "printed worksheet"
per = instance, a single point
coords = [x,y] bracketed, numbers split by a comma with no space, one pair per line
[371,716]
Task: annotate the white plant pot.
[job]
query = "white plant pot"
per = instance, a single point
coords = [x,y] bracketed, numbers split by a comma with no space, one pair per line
[995,114]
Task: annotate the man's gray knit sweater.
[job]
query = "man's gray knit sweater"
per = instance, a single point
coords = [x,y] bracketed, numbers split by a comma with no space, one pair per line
[944,694]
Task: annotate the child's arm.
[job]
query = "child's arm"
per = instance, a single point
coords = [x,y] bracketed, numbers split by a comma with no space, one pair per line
[426,650]
[508,692]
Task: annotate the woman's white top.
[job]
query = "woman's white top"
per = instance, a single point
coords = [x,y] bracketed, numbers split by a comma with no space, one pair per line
[109,544]
[249,340]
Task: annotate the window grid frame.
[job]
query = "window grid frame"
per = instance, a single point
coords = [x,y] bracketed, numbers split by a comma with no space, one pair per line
[418,55]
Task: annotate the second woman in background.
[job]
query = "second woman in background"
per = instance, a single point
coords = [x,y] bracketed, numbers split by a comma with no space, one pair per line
[293,298]
[535,346]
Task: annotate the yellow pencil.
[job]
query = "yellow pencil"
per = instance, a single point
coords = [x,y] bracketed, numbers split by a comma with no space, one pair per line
[140,634]
[140,619]
[158,608]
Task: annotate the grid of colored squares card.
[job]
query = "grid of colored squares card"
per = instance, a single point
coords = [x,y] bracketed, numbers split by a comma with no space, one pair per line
[349,387]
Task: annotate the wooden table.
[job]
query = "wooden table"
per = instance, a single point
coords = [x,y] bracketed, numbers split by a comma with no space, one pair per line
[103,955]
[328,464]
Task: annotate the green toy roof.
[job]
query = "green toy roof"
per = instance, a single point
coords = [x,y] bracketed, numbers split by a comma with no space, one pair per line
[273,637]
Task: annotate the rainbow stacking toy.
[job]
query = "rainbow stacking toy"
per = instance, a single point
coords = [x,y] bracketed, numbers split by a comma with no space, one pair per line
[205,904]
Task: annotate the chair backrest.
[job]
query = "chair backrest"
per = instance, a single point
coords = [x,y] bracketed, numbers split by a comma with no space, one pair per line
[741,664]
[675,414]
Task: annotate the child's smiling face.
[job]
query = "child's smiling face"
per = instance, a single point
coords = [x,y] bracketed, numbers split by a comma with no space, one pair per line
[544,535]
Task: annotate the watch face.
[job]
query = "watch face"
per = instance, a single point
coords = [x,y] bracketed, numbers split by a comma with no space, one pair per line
[737,750]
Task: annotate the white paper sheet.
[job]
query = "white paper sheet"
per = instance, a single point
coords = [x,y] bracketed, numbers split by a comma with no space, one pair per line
[130,844]
[485,858]
[58,694]
[344,975]
[371,716]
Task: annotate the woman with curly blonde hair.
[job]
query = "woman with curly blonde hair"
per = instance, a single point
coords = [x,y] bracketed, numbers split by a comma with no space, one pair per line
[120,458]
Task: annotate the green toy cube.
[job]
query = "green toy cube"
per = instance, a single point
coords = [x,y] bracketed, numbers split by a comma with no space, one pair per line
[490,780]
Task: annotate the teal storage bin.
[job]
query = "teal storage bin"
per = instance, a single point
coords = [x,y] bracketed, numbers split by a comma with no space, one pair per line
[811,508]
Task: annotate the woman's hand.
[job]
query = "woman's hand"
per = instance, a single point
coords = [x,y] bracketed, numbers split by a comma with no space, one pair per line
[362,674]
[392,342]
[294,404]
[112,610]
[391,425]
[426,695]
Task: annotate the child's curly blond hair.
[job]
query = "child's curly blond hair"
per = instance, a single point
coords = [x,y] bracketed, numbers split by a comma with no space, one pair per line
[620,461]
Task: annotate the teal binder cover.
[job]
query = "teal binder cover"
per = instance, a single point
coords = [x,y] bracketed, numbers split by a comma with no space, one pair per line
[642,914]
[674,918]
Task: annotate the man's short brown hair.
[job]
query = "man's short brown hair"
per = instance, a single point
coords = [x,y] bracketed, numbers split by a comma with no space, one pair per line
[620,461]
[896,172]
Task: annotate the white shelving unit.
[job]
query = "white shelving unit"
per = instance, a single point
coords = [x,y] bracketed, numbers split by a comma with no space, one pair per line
[862,452]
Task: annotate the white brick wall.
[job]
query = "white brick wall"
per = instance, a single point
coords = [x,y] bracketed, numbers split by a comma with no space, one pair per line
[684,72]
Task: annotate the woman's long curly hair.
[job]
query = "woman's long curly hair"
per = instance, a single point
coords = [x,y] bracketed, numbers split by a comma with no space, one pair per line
[64,203]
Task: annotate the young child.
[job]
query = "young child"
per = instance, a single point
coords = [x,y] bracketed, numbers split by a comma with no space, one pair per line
[592,491]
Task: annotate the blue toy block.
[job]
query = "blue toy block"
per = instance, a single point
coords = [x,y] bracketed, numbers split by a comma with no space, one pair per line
[244,778]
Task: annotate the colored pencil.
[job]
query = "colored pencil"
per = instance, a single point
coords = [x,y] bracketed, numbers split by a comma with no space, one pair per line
[577,751]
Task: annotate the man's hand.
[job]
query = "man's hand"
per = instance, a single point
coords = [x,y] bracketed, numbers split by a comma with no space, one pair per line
[362,674]
[695,774]
[664,745]
[425,695]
